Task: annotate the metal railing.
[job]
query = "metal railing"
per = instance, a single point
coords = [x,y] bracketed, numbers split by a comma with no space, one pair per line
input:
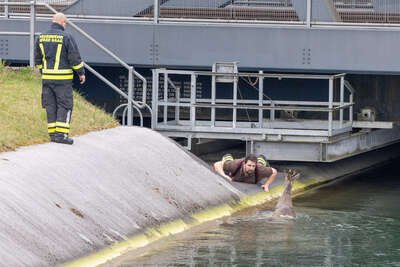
[353,11]
[296,12]
[50,2]
[59,5]
[369,11]
[169,104]
[131,103]
[228,10]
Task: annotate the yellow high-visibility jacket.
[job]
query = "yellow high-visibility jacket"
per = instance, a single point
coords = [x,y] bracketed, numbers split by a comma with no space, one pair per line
[57,56]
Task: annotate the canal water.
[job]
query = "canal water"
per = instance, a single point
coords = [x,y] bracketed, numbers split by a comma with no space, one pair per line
[351,222]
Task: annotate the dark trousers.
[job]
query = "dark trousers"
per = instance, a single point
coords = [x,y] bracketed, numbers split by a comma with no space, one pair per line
[58,101]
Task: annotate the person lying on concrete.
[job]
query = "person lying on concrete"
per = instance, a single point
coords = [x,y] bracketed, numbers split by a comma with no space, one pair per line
[251,169]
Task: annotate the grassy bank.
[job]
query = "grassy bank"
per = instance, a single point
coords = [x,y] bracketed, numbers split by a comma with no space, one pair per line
[22,118]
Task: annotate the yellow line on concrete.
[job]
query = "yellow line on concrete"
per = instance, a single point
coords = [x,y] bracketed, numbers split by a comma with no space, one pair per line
[178,226]
[213,213]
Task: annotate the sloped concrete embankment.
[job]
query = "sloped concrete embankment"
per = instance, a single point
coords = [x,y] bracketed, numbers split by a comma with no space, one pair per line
[60,202]
[122,189]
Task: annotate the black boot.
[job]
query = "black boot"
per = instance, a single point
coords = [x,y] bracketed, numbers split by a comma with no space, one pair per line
[52,137]
[63,139]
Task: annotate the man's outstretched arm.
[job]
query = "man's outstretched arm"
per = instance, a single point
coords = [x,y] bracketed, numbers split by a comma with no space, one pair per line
[270,180]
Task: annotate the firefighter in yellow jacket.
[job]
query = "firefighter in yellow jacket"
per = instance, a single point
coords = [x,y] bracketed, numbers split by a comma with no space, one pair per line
[57,56]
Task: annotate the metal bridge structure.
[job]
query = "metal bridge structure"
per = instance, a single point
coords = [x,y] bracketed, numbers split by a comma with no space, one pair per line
[282,75]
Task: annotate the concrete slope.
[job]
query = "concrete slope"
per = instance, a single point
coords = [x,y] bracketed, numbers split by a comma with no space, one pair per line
[61,202]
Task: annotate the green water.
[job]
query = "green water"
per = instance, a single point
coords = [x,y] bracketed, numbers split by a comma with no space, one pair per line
[353,222]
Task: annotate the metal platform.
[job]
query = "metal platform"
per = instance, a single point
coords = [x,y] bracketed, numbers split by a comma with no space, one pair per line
[330,151]
[276,130]
[314,130]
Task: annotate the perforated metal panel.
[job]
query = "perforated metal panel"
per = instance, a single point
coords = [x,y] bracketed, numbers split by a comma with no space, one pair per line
[3,47]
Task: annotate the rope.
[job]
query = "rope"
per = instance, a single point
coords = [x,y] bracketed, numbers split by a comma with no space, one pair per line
[247,112]
[266,96]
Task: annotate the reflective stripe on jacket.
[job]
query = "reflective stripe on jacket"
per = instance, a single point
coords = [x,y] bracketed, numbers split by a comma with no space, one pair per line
[57,55]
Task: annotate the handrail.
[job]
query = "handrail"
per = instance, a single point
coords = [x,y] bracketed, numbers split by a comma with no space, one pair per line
[137,105]
[124,113]
[351,89]
[313,19]
[101,77]
[193,102]
[228,22]
[349,86]
[252,74]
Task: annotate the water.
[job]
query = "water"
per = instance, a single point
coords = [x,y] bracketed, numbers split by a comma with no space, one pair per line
[353,222]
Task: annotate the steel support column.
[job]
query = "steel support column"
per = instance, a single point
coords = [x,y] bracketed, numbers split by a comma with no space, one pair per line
[32,34]
[260,98]
[130,95]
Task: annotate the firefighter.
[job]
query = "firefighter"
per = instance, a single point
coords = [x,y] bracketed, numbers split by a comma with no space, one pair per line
[57,56]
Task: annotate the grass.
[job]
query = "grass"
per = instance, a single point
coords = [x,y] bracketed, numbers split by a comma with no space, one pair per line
[22,118]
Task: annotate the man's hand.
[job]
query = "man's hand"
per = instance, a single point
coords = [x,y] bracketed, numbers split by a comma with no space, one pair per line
[82,78]
[228,178]
[265,187]
[270,180]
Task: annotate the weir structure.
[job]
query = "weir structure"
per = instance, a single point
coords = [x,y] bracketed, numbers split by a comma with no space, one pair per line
[122,189]
[289,130]
[351,109]
[301,81]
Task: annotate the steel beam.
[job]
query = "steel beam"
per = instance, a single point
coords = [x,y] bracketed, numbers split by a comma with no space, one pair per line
[179,40]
